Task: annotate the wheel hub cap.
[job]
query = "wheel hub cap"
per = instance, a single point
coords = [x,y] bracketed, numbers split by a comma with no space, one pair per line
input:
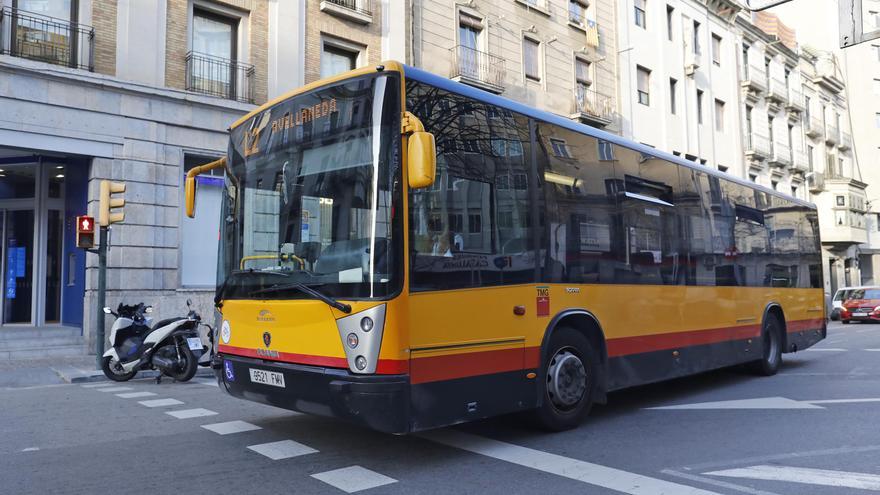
[566,379]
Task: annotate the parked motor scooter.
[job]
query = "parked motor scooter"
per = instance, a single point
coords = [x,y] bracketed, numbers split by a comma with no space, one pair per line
[172,346]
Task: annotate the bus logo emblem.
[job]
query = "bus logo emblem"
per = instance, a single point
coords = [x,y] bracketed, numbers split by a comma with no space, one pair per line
[267,338]
[543,301]
[265,315]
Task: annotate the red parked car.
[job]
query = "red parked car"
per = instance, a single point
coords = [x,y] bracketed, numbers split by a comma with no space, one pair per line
[862,305]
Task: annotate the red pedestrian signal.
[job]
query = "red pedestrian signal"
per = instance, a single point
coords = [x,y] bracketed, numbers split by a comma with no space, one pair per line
[85,232]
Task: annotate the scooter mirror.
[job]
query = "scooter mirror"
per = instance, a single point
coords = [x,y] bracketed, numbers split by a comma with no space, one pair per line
[148,309]
[107,311]
[189,303]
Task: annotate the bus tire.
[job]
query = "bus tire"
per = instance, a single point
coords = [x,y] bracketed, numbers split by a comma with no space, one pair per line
[568,374]
[845,322]
[771,348]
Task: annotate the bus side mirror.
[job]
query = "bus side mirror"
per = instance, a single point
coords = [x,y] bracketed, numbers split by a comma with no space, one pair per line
[422,159]
[190,190]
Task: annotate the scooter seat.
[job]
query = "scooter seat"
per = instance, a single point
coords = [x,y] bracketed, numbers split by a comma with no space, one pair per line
[167,321]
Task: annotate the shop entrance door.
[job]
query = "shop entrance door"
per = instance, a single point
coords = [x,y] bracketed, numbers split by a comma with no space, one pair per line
[18,268]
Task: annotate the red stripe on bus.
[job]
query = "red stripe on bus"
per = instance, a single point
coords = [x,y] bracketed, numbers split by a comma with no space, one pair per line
[464,365]
[801,325]
[384,367]
[665,341]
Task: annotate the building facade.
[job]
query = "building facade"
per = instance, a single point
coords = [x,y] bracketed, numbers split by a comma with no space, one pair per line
[139,92]
[678,79]
[556,55]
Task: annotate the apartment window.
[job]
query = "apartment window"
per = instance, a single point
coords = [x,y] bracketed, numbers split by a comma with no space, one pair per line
[469,30]
[841,200]
[336,60]
[577,12]
[791,143]
[696,40]
[877,120]
[582,79]
[722,168]
[670,11]
[749,125]
[873,19]
[719,115]
[787,76]
[794,190]
[214,35]
[876,51]
[840,167]
[810,157]
[876,87]
[774,184]
[699,106]
[807,109]
[745,57]
[211,66]
[531,59]
[770,128]
[829,165]
[560,149]
[643,82]
[767,66]
[640,13]
[673,89]
[716,49]
[753,178]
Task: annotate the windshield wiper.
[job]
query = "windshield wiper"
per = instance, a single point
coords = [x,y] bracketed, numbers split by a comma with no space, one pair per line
[221,291]
[345,308]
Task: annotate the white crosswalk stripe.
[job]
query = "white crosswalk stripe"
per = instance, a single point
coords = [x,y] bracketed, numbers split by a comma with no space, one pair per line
[823,349]
[114,389]
[808,476]
[96,385]
[285,449]
[230,427]
[160,402]
[135,395]
[191,413]
[354,479]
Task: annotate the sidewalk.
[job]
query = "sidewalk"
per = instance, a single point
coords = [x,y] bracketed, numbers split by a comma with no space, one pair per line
[77,369]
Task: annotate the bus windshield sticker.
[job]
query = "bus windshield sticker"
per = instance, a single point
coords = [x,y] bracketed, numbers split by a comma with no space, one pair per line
[543,301]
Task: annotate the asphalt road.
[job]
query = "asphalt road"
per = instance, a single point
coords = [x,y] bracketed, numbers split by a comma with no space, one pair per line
[812,429]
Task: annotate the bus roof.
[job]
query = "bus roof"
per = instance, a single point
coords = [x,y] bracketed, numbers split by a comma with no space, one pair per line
[500,101]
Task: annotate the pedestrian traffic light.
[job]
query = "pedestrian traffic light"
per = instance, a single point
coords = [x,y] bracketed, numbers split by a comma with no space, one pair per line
[85,232]
[108,203]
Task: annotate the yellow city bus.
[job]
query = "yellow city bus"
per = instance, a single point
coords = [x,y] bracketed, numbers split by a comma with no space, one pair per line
[407,252]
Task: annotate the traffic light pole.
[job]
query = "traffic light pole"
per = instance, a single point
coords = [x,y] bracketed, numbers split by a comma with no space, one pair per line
[102,288]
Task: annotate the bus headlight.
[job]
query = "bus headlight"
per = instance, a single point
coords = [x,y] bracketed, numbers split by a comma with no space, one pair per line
[361,337]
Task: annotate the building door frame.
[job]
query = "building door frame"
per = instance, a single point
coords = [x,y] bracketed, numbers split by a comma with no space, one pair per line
[40,204]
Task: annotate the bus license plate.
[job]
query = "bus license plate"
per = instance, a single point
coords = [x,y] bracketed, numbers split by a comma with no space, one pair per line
[860,314]
[267,377]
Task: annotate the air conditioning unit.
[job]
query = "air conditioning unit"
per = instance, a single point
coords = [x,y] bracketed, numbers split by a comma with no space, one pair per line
[691,63]
[816,181]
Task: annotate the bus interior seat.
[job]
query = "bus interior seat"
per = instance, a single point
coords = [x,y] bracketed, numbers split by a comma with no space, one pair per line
[350,254]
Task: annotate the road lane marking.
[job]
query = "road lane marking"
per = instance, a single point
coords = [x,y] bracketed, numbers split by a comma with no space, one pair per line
[873,350]
[191,413]
[30,449]
[114,389]
[285,449]
[593,474]
[96,385]
[230,427]
[808,476]
[841,401]
[354,479]
[718,483]
[135,395]
[760,403]
[823,349]
[160,402]
[775,458]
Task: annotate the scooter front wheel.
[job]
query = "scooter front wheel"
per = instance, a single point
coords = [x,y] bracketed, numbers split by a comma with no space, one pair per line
[113,370]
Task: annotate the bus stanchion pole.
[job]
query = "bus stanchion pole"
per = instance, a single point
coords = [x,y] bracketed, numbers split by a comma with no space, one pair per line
[102,288]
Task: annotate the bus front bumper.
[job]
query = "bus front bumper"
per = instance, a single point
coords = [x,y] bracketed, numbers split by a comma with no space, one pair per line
[380,402]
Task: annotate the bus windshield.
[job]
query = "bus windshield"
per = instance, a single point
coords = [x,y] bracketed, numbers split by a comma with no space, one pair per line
[312,193]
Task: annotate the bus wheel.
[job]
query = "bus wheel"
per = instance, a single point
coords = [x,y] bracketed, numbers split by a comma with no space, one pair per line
[771,340]
[569,373]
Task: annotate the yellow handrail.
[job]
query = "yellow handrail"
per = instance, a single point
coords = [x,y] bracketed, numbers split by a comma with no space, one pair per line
[302,263]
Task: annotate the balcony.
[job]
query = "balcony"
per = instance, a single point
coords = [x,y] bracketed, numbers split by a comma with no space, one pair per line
[477,68]
[778,92]
[46,39]
[795,100]
[360,11]
[593,108]
[832,134]
[220,77]
[753,78]
[812,126]
[780,156]
[800,161]
[845,142]
[757,146]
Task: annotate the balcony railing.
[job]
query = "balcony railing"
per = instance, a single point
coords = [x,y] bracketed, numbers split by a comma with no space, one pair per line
[845,142]
[777,91]
[757,145]
[360,11]
[593,106]
[220,77]
[754,78]
[477,68]
[540,5]
[800,161]
[47,39]
[813,126]
[795,100]
[781,155]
